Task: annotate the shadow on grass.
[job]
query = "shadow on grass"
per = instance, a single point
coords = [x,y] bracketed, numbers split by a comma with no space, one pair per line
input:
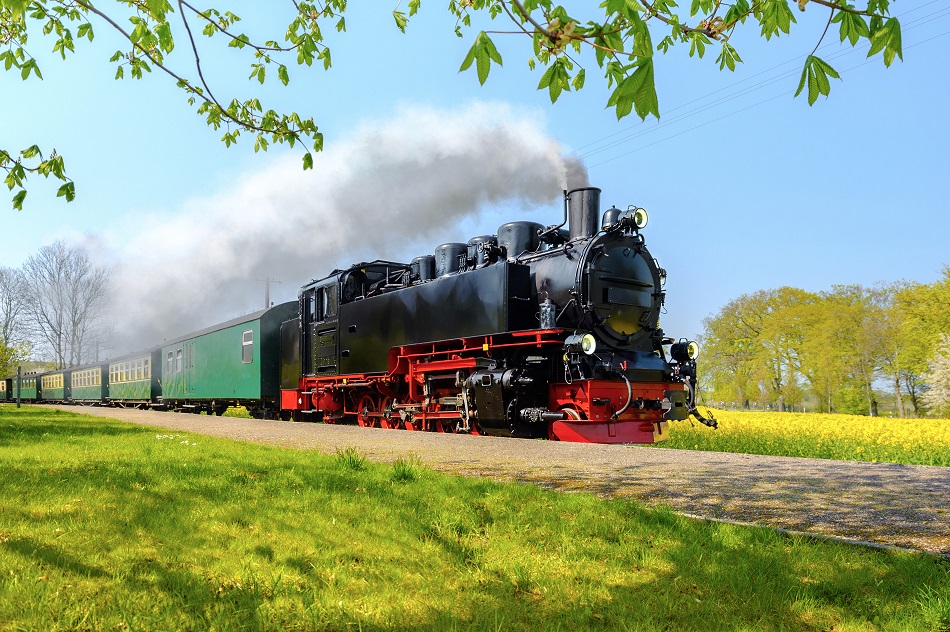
[32,424]
[46,555]
[681,574]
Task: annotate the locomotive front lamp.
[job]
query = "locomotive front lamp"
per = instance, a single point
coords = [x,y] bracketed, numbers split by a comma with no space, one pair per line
[585,343]
[641,217]
[684,351]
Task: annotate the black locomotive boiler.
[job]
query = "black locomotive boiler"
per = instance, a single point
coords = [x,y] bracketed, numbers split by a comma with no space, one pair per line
[534,331]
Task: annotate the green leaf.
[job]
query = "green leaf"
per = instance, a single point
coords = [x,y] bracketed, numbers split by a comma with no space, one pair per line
[775,16]
[578,82]
[401,20]
[482,53]
[555,79]
[853,27]
[68,190]
[886,37]
[85,30]
[697,44]
[18,200]
[307,161]
[636,91]
[728,57]
[815,74]
[17,7]
[469,57]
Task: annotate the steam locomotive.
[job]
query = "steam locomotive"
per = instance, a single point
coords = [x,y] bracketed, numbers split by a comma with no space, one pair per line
[535,331]
[532,332]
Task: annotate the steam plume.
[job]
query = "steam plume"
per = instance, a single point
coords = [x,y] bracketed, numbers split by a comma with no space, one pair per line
[393,185]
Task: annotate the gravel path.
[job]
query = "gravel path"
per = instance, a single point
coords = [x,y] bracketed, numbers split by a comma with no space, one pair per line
[898,505]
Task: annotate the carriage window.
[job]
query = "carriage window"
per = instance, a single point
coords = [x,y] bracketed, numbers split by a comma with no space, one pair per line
[247,347]
[178,360]
[148,373]
[170,363]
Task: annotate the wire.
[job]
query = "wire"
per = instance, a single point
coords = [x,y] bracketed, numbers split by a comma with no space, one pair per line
[737,91]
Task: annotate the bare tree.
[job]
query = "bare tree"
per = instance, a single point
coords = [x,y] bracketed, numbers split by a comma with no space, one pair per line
[12,305]
[14,347]
[67,296]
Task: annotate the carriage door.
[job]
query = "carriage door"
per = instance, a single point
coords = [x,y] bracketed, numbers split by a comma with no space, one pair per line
[324,339]
[188,370]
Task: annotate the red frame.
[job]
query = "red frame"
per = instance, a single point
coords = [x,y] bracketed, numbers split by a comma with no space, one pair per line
[589,404]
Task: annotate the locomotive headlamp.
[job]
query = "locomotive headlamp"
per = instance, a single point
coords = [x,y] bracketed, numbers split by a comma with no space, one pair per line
[684,350]
[636,216]
[585,343]
[641,217]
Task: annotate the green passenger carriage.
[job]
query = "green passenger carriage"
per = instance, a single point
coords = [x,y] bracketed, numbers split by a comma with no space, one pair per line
[26,392]
[5,390]
[88,384]
[54,387]
[133,379]
[231,364]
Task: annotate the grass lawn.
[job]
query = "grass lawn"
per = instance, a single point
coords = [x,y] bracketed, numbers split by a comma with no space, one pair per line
[110,526]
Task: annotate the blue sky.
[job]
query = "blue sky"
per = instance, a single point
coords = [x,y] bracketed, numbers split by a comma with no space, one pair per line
[747,188]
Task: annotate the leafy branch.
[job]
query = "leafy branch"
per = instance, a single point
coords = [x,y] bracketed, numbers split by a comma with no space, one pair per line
[621,39]
[18,170]
[624,49]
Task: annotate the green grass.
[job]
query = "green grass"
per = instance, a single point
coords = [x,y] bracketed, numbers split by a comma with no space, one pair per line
[108,526]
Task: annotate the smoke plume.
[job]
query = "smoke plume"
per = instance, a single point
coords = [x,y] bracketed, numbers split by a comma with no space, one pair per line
[394,186]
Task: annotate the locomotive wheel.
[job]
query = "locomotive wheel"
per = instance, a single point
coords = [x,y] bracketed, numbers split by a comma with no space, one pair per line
[448,426]
[394,421]
[367,404]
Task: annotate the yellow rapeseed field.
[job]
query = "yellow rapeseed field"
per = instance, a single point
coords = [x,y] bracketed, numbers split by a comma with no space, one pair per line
[824,436]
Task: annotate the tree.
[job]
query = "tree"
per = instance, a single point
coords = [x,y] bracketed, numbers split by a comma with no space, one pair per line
[67,295]
[622,41]
[924,315]
[753,346]
[937,396]
[12,304]
[14,347]
[729,351]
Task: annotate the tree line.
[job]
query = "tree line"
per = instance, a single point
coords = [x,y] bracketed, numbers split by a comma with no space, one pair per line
[52,308]
[841,350]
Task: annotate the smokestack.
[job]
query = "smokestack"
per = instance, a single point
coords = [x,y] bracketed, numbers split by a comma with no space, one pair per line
[583,212]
